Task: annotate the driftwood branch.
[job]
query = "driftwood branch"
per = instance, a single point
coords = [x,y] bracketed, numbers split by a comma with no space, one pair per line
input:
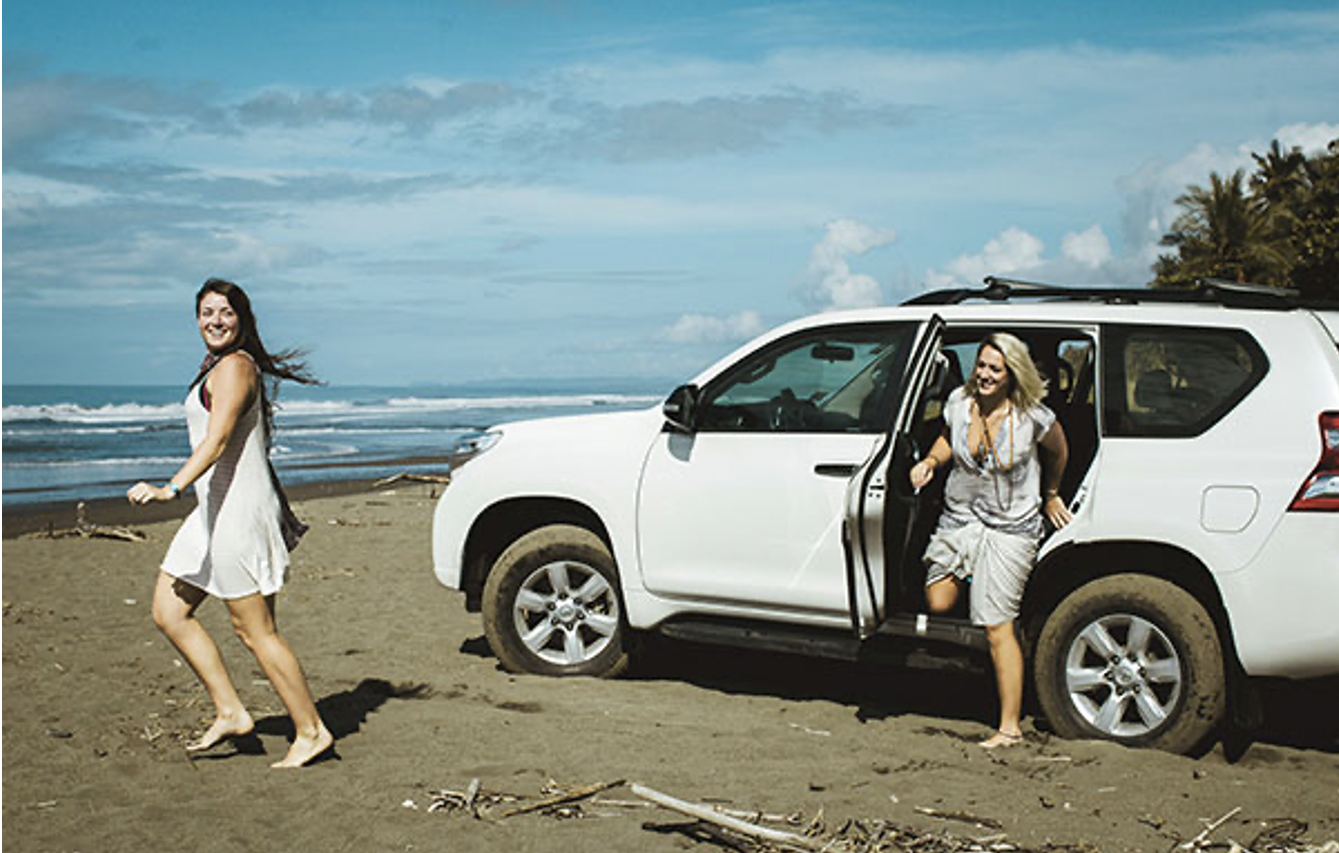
[86,529]
[710,815]
[988,823]
[1201,839]
[561,799]
[405,476]
[472,794]
[473,800]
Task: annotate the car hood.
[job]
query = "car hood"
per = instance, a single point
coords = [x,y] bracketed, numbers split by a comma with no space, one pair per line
[598,428]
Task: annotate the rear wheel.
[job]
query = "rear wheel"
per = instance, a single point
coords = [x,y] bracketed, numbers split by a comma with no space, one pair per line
[1134,659]
[551,605]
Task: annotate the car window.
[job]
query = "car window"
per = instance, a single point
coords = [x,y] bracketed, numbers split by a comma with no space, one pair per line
[1064,358]
[842,379]
[1173,381]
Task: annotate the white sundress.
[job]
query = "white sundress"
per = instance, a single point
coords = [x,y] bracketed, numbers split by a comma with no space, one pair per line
[232,544]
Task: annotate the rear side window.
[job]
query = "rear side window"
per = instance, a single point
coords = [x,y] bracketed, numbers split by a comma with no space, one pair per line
[1175,381]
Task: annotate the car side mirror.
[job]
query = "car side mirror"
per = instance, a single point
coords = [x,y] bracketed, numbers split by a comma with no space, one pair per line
[680,408]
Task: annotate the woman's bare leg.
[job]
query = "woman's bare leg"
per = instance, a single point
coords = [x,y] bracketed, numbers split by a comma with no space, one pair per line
[941,595]
[1007,656]
[174,605]
[253,619]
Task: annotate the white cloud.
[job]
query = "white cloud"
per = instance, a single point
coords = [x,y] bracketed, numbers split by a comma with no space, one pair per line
[1090,248]
[1311,23]
[833,284]
[238,250]
[1311,138]
[678,129]
[1085,257]
[701,328]
[1014,251]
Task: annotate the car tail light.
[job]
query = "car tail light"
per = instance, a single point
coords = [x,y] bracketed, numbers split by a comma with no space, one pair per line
[1321,489]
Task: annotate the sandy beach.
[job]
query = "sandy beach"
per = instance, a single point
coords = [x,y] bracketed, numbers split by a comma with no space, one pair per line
[97,706]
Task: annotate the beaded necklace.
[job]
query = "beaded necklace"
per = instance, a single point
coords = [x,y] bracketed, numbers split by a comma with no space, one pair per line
[1003,499]
[989,440]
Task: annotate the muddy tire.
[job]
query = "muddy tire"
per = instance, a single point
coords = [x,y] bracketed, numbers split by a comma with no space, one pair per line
[1133,659]
[551,605]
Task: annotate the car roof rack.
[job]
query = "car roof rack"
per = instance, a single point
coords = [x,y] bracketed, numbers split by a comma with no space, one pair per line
[1212,291]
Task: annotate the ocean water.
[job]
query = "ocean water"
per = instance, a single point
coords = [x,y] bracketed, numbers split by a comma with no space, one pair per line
[66,442]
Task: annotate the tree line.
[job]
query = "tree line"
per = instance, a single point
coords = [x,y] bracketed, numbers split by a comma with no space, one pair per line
[1277,226]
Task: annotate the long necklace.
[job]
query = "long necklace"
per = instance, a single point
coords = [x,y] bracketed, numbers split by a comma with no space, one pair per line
[1000,468]
[990,440]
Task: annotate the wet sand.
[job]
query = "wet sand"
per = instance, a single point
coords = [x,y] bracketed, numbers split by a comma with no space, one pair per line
[97,707]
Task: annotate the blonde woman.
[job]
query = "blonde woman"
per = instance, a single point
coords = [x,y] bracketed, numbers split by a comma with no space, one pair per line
[1007,453]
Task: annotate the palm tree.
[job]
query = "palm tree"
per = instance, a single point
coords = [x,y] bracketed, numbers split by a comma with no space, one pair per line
[1315,235]
[1280,177]
[1221,234]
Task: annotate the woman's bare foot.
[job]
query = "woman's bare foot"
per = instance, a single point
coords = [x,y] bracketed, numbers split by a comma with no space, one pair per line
[225,727]
[1002,738]
[306,747]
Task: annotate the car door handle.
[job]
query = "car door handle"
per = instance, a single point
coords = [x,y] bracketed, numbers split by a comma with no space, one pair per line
[835,469]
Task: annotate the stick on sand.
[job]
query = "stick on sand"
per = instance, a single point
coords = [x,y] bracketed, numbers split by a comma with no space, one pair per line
[743,827]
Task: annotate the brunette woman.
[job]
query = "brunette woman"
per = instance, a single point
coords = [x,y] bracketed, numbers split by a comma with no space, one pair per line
[235,544]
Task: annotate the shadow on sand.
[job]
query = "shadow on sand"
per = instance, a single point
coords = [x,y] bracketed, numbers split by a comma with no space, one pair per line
[1298,714]
[345,712]
[875,690]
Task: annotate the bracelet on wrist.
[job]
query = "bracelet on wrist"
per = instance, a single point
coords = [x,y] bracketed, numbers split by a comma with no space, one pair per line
[173,488]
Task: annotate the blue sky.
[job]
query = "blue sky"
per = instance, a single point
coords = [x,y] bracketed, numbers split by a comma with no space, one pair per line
[459,191]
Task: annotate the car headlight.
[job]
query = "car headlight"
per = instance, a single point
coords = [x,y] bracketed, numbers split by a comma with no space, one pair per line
[473,445]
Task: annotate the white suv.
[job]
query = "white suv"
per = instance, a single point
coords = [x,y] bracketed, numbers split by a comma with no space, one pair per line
[768,504]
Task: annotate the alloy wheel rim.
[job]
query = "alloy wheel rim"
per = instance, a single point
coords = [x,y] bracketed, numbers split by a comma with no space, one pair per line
[566,613]
[1123,675]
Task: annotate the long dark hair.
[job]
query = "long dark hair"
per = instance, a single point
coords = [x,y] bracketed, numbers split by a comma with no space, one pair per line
[274,366]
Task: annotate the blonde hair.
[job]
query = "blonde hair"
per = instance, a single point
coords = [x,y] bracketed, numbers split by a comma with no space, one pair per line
[1026,387]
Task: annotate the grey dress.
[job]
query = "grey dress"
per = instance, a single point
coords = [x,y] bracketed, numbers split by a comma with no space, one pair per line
[991,524]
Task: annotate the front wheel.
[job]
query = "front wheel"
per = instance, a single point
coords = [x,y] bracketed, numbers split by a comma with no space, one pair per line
[551,605]
[1134,659]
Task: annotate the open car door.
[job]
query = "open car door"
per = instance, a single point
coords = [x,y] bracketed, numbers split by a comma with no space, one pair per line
[881,506]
